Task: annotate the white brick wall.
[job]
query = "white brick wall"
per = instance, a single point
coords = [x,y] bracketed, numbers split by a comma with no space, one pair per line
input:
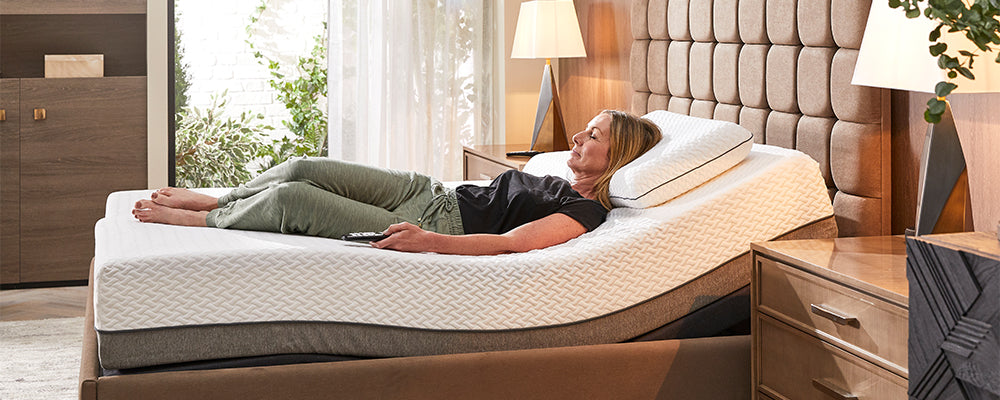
[214,34]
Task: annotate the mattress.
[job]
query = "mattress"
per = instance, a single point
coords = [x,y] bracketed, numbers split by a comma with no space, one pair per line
[163,294]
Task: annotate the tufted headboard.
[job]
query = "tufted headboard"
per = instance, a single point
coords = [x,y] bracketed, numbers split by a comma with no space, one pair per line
[782,69]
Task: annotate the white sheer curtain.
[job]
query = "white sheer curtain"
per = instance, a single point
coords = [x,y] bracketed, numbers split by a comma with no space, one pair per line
[410,82]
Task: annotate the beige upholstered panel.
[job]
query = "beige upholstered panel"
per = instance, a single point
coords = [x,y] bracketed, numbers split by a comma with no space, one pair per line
[701,70]
[638,13]
[780,129]
[700,17]
[677,74]
[640,103]
[751,20]
[727,112]
[657,19]
[725,77]
[680,105]
[782,62]
[656,66]
[814,23]
[848,18]
[781,17]
[703,109]
[850,102]
[813,138]
[781,69]
[857,147]
[677,20]
[637,65]
[724,21]
[813,81]
[658,101]
[755,120]
[753,58]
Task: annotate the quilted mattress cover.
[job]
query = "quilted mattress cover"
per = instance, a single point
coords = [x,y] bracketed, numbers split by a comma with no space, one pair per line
[152,276]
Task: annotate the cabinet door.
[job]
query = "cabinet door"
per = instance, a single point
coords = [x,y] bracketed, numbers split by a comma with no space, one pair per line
[91,142]
[9,182]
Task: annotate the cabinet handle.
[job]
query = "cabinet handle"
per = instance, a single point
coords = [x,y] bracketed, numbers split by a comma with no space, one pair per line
[3,115]
[39,114]
[832,315]
[832,390]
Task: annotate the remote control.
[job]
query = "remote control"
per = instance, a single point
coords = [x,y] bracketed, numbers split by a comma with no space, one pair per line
[363,237]
[525,153]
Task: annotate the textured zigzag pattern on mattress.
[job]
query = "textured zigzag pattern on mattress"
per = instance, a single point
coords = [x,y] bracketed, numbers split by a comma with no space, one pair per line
[210,276]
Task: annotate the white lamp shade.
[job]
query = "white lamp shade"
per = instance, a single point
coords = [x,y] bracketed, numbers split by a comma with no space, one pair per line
[547,29]
[894,55]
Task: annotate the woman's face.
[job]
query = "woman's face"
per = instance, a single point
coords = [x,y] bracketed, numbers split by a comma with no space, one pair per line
[590,147]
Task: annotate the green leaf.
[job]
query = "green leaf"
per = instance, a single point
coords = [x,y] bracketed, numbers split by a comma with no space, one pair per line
[935,106]
[938,48]
[931,117]
[966,73]
[943,89]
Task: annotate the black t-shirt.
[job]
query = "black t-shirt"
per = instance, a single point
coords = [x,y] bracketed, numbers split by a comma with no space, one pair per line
[515,198]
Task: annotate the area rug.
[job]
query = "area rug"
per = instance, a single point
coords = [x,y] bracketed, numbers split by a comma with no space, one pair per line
[40,359]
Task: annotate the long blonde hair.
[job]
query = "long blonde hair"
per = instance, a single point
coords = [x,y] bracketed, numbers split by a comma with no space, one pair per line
[631,136]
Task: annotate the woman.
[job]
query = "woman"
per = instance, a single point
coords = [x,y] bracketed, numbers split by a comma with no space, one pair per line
[517,212]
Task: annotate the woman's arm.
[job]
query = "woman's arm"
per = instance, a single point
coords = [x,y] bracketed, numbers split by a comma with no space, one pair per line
[549,231]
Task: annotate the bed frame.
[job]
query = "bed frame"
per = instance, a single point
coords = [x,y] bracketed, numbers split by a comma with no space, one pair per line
[780,68]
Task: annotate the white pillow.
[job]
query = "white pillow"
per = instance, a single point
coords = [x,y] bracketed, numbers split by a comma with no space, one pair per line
[693,150]
[550,163]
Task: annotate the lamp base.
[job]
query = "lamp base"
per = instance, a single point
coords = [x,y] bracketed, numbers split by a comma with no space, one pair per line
[549,133]
[943,198]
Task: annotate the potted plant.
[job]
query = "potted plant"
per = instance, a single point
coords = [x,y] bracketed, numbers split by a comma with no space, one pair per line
[977,21]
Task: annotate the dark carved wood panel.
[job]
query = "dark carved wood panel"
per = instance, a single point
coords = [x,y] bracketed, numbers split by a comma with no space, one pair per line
[954,346]
[26,39]
[9,182]
[92,142]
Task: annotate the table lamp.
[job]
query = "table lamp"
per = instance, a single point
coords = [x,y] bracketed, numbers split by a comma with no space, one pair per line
[894,55]
[547,29]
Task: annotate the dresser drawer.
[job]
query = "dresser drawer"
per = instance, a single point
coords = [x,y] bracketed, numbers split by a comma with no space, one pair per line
[478,168]
[795,365]
[871,327]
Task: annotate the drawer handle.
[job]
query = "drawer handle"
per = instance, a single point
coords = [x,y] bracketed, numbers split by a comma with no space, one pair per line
[833,315]
[3,115]
[832,390]
[39,114]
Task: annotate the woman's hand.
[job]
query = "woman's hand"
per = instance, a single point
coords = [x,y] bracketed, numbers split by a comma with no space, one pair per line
[405,236]
[549,231]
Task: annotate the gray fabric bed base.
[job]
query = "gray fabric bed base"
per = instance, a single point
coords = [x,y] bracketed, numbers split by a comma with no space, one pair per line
[143,348]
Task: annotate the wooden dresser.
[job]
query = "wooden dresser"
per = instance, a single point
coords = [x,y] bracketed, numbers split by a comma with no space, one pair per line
[829,319]
[66,143]
[955,281]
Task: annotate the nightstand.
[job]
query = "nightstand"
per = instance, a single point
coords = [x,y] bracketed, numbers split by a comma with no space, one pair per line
[484,162]
[829,318]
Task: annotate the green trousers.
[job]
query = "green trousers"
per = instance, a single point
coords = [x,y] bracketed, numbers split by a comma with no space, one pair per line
[329,198]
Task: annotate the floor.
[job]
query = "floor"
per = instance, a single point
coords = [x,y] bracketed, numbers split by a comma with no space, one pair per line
[30,304]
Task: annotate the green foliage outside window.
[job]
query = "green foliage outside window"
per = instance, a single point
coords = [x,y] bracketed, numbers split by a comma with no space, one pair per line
[213,150]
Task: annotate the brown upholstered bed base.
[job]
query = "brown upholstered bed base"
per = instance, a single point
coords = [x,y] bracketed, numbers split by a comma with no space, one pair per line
[643,369]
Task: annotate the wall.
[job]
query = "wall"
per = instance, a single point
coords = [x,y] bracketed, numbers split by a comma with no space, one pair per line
[601,81]
[521,83]
[156,92]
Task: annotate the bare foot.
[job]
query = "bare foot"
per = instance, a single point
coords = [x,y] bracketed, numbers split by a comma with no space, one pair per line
[148,211]
[184,199]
